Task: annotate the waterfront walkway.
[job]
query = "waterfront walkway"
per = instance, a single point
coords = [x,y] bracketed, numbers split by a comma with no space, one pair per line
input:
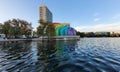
[43,38]
[13,40]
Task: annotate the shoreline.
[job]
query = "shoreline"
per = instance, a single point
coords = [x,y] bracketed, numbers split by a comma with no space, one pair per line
[50,38]
[44,38]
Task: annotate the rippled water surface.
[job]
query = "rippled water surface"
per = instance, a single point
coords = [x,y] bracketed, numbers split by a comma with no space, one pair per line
[85,55]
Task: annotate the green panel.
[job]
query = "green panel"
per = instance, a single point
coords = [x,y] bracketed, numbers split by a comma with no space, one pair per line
[58,30]
[64,31]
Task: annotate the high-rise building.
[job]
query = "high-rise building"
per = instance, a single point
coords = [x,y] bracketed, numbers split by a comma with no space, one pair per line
[45,14]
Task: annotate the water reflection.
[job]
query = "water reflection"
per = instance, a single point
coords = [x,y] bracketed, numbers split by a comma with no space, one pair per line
[53,54]
[86,55]
[46,54]
[64,56]
[13,55]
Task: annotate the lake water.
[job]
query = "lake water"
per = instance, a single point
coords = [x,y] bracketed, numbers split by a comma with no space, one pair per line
[85,55]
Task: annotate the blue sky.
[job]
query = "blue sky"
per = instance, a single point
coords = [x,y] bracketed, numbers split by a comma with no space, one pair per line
[83,15]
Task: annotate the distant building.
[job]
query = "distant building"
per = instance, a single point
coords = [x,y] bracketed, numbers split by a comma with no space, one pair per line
[103,33]
[112,33]
[45,14]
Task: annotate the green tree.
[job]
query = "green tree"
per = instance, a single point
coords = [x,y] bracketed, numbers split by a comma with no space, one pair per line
[15,30]
[6,27]
[45,29]
[25,30]
[41,27]
[16,27]
[50,30]
[40,31]
[1,27]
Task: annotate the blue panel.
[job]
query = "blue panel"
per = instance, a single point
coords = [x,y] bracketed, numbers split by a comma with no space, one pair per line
[64,31]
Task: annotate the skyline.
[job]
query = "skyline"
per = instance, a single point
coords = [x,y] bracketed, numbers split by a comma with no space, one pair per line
[84,16]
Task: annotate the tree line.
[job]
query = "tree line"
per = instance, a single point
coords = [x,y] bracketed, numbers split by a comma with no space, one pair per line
[15,28]
[98,34]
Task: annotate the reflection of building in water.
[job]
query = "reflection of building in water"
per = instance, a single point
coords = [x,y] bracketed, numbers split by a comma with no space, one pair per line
[46,54]
[51,54]
[45,49]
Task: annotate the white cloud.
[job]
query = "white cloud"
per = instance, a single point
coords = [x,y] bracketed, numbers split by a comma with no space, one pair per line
[116,16]
[96,19]
[100,27]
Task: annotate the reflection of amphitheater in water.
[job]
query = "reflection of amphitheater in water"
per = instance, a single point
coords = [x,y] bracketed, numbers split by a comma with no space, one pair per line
[64,29]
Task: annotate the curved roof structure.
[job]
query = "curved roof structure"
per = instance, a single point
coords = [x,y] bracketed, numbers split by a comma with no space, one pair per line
[63,30]
[58,29]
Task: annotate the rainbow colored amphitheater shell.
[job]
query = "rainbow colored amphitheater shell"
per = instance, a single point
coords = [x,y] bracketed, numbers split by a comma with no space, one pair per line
[64,30]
